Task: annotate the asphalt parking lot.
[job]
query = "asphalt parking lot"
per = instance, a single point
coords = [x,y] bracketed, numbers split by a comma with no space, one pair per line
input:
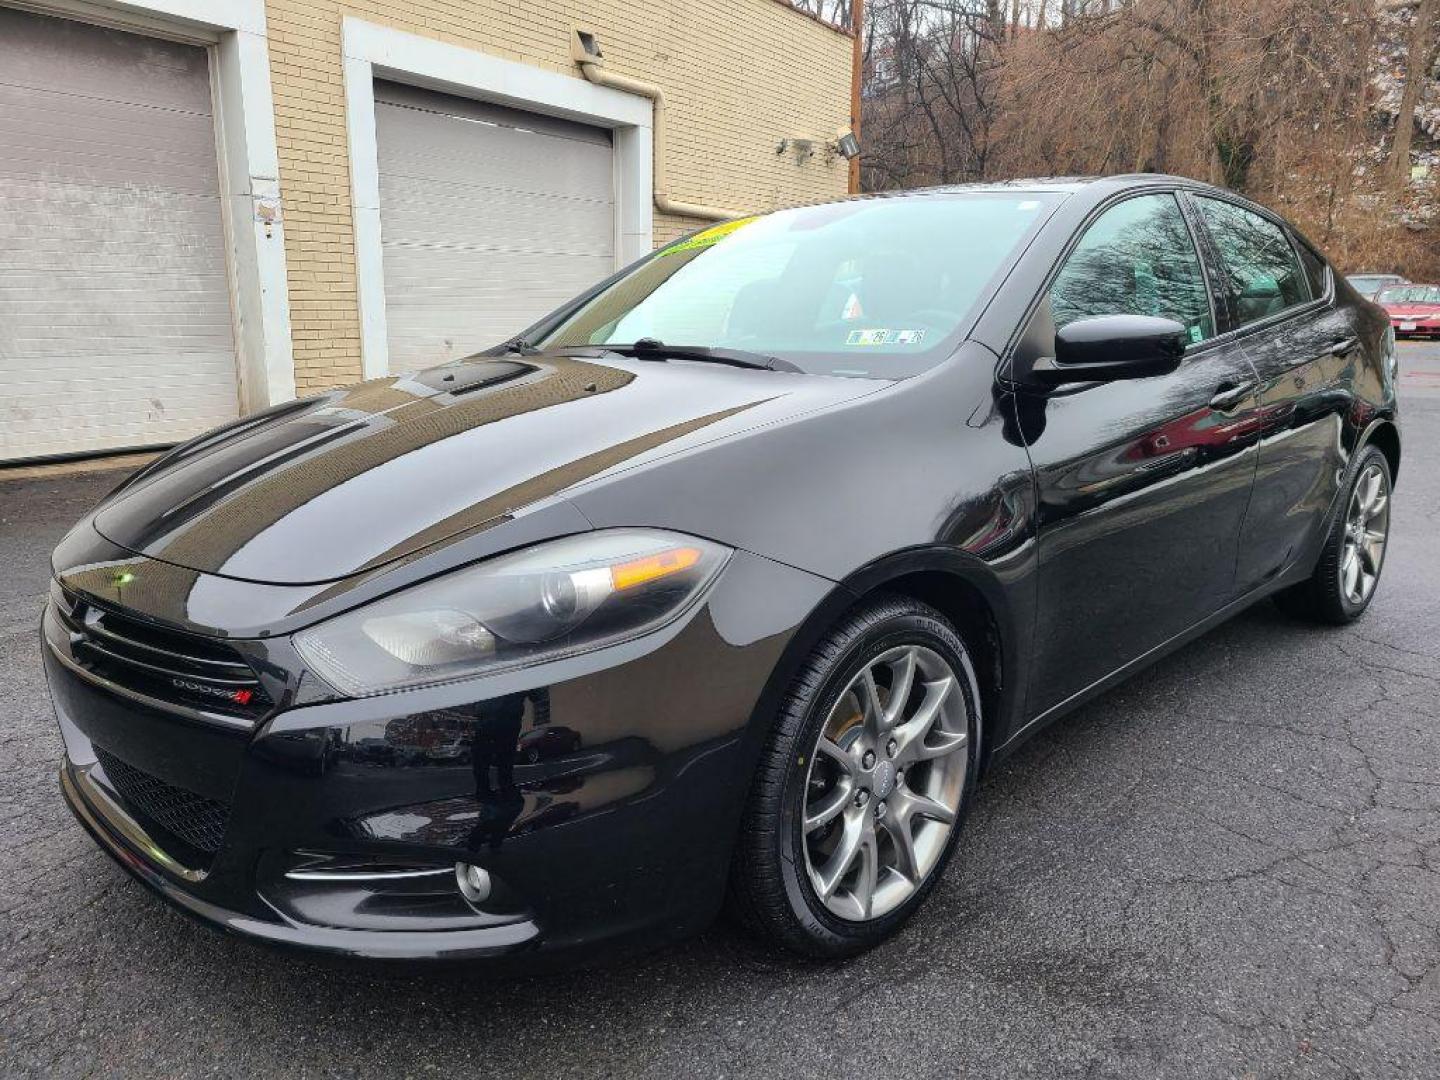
[1228,867]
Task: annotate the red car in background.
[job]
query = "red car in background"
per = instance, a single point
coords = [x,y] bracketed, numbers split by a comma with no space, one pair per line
[1414,310]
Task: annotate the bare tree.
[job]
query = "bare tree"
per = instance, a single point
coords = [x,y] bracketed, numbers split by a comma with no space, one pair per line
[835,12]
[1274,98]
[930,96]
[1419,58]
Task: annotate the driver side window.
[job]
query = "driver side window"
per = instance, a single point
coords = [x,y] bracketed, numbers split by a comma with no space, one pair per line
[1138,258]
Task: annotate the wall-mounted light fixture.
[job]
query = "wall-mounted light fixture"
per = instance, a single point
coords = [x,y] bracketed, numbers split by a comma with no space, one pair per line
[845,145]
[802,148]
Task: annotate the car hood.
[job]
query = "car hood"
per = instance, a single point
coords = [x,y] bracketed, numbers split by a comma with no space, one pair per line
[319,490]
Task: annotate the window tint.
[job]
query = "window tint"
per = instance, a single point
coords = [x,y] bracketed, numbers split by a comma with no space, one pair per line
[1137,259]
[1260,273]
[1314,271]
[873,287]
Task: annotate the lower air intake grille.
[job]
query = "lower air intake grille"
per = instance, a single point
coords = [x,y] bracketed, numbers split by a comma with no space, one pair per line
[198,821]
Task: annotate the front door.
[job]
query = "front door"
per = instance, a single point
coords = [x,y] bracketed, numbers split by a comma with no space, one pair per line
[1142,484]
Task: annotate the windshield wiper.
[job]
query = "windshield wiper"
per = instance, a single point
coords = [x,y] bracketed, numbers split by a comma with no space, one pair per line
[648,348]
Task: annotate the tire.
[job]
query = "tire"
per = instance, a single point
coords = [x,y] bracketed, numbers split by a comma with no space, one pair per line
[1331,594]
[780,871]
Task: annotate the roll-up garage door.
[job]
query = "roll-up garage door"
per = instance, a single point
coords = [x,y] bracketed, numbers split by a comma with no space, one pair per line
[489,218]
[115,325]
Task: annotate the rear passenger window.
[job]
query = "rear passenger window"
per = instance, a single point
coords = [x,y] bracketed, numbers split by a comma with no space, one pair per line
[1138,258]
[1260,272]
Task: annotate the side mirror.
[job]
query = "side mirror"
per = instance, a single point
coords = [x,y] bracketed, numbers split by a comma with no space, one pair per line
[1106,348]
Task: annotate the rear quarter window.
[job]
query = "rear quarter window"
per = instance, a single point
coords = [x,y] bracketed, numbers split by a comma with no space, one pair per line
[1316,271]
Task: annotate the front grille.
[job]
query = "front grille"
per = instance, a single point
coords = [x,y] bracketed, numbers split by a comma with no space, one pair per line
[198,821]
[170,665]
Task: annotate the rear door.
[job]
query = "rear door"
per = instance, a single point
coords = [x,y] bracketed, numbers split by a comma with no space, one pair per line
[1278,303]
[1142,483]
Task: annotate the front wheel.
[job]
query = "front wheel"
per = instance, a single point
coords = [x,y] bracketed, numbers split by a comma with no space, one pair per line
[864,784]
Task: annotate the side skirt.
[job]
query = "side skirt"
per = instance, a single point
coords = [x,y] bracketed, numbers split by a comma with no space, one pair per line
[1144,660]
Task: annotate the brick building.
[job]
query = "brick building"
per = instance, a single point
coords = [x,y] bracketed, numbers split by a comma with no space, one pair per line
[209,206]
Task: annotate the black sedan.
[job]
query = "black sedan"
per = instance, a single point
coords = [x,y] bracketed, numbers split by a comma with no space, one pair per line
[723,584]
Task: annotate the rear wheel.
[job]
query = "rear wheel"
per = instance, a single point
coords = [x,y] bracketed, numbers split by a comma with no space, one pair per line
[865,782]
[1348,571]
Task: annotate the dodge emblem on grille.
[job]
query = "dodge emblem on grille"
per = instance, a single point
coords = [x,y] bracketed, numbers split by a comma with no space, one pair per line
[240,697]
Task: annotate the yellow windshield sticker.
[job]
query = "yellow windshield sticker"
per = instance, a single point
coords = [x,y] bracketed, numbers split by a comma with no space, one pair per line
[708,236]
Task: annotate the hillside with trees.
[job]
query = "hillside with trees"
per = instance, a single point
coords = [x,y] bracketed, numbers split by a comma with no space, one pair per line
[1326,110]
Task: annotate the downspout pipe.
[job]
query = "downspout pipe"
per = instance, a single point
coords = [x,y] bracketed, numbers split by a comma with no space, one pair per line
[596,73]
[857,29]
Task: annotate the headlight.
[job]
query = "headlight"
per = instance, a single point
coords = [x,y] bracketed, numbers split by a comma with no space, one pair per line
[552,600]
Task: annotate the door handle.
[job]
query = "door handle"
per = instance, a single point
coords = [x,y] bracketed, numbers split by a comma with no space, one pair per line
[1231,394]
[1337,347]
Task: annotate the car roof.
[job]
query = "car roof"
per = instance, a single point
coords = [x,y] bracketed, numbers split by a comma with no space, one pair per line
[1066,184]
[1092,188]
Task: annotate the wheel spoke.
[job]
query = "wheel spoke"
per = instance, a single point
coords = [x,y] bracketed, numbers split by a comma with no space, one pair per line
[869,875]
[916,728]
[938,745]
[838,865]
[914,804]
[902,679]
[919,737]
[838,754]
[825,809]
[870,700]
[1350,570]
[1370,549]
[907,863]
[1377,506]
[1371,490]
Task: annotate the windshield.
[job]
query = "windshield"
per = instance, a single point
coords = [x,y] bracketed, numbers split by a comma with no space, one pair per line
[1411,294]
[876,287]
[1369,284]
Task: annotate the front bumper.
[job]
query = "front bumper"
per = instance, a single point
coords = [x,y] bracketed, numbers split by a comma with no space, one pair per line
[602,793]
[128,843]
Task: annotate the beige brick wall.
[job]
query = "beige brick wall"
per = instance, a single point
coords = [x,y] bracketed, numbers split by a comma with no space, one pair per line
[739,75]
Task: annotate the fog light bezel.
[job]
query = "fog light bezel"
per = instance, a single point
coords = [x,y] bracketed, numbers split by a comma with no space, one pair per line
[474,882]
[379,891]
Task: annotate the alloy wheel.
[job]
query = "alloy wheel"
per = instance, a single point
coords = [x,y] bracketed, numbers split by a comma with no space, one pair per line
[1367,521]
[885,783]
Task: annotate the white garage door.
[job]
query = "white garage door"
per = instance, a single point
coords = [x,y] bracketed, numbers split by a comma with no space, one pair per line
[114,307]
[489,218]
